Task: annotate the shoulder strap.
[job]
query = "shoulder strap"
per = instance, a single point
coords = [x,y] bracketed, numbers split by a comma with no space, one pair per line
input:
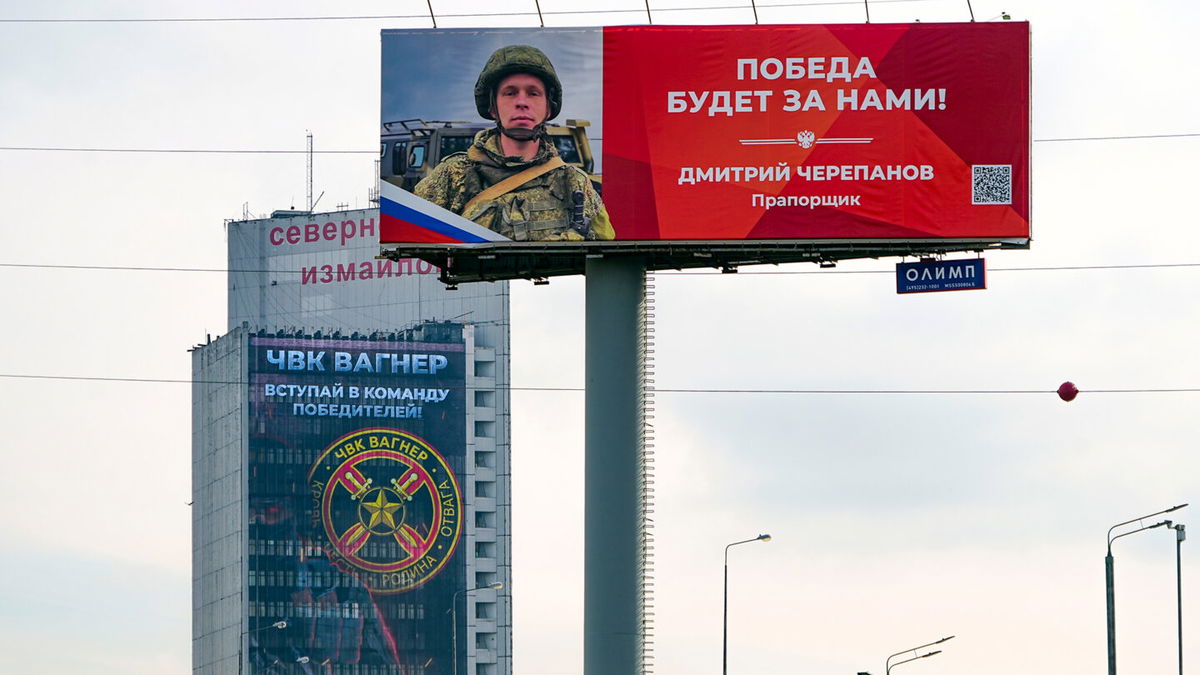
[515,181]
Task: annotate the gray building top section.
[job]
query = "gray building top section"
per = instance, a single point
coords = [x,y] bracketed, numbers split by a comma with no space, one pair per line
[318,272]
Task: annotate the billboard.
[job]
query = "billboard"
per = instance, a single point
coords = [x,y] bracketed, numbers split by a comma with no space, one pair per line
[356,462]
[815,142]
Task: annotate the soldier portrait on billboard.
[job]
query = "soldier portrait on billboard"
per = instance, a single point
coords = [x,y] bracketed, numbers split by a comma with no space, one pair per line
[511,179]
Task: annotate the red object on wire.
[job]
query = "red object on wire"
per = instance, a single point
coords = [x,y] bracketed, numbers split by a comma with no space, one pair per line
[1067,391]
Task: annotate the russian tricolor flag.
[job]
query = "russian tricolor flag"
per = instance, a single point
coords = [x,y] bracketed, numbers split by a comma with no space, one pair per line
[407,219]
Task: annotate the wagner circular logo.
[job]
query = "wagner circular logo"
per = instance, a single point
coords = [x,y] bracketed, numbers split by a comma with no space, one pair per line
[390,506]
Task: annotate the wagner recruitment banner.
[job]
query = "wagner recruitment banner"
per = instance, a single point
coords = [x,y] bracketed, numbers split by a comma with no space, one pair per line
[887,132]
[355,502]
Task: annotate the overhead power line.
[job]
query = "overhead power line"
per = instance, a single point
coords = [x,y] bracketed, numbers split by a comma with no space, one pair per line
[215,151]
[235,151]
[123,268]
[1112,138]
[221,270]
[1058,268]
[657,390]
[392,17]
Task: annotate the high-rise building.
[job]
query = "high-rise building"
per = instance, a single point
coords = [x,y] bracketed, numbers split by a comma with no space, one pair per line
[350,462]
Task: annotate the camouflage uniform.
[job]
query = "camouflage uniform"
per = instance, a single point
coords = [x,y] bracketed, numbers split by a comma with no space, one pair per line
[539,210]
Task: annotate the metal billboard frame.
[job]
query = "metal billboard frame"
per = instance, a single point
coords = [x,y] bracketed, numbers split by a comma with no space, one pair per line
[542,260]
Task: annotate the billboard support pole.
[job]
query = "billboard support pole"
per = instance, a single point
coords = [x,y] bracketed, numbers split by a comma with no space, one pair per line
[613,466]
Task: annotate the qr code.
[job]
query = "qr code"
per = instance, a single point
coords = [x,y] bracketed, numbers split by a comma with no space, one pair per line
[991,184]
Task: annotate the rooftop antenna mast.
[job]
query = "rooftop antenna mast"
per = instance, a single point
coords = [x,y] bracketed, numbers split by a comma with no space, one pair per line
[309,174]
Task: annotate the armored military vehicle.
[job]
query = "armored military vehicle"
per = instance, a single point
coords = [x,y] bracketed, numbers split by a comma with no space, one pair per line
[409,149]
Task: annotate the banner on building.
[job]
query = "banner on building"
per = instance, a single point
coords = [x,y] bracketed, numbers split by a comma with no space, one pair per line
[355,457]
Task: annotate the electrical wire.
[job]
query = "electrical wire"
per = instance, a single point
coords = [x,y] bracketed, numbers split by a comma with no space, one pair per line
[657,390]
[134,269]
[122,268]
[388,17]
[1112,138]
[231,151]
[216,151]
[990,269]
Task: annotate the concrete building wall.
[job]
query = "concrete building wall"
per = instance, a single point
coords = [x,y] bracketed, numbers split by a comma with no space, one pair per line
[218,503]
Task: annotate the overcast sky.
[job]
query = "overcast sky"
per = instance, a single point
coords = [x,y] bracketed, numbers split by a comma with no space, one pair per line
[897,518]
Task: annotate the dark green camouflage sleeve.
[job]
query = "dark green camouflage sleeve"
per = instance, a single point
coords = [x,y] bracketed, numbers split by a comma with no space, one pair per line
[446,185]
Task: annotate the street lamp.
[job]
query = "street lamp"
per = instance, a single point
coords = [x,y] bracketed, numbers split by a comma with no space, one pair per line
[1110,597]
[725,617]
[888,665]
[1179,537]
[454,615]
[280,625]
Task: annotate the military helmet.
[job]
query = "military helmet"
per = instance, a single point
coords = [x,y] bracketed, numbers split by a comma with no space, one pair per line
[516,59]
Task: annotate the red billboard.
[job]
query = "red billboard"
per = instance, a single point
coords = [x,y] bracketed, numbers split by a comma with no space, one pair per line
[817,132]
[848,140]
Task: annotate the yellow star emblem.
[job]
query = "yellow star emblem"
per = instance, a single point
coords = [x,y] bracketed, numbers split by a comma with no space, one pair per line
[382,511]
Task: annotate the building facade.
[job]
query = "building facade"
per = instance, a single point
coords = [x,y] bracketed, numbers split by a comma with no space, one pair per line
[350,463]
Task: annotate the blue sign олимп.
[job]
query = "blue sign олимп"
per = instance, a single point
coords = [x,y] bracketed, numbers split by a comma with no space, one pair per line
[940,275]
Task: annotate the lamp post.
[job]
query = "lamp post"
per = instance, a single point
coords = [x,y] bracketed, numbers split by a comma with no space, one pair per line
[280,625]
[454,616]
[1179,537]
[1110,594]
[921,656]
[725,616]
[888,665]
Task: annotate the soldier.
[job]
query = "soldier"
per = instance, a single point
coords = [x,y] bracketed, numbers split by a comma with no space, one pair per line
[511,180]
